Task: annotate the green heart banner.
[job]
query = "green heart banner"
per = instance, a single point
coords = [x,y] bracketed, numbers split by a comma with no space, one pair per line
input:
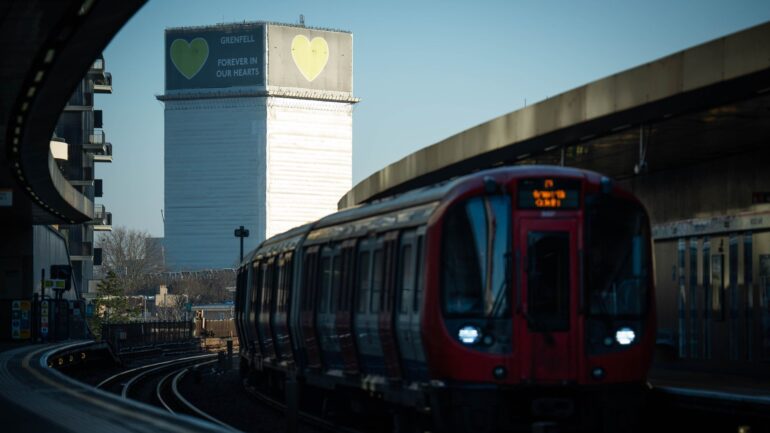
[216,57]
[190,57]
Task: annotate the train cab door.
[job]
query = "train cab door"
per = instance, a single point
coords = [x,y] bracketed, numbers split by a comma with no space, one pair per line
[547,298]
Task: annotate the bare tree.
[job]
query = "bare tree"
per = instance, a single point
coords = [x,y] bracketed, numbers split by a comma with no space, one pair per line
[205,288]
[133,256]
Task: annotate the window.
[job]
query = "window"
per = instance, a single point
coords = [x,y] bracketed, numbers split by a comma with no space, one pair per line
[325,276]
[617,250]
[418,276]
[475,257]
[336,294]
[363,281]
[377,282]
[407,277]
[265,291]
[548,281]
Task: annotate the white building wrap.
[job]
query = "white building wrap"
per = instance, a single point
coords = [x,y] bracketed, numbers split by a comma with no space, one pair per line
[214,180]
[309,160]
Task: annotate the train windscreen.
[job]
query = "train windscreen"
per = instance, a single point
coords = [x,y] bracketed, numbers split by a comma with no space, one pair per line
[474,255]
[617,244]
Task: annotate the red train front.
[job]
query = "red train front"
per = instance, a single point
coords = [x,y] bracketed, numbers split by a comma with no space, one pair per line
[539,299]
[504,298]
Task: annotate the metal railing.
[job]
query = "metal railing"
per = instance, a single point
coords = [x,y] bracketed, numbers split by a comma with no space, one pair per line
[97,137]
[98,64]
[105,80]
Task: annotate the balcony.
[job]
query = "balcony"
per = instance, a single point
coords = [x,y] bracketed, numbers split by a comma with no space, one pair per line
[81,251]
[98,146]
[98,65]
[102,221]
[103,83]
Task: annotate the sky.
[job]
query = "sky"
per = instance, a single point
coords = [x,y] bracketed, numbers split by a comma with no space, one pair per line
[424,70]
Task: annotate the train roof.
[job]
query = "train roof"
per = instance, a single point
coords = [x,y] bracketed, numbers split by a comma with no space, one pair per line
[438,191]
[422,202]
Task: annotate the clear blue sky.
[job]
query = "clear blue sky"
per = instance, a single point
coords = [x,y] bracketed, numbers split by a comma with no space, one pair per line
[424,70]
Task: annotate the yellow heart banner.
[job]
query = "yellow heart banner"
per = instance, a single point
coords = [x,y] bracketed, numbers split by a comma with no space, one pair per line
[310,57]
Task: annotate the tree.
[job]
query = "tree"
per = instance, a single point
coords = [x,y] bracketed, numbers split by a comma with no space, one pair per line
[133,256]
[206,288]
[111,304]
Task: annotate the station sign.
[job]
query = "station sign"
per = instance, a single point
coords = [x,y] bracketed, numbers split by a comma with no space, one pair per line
[549,193]
[44,312]
[55,284]
[21,328]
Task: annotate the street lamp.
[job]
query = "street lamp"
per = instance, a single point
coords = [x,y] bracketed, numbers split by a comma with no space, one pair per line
[241,233]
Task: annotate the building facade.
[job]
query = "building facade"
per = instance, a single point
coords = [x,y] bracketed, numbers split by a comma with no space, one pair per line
[258,133]
[81,144]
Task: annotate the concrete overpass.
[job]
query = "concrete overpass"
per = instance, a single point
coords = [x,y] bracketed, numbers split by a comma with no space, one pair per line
[672,112]
[48,46]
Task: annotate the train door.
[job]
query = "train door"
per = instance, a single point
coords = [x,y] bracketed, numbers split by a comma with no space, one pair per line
[329,279]
[344,318]
[307,313]
[387,317]
[253,321]
[546,305]
[281,316]
[405,289]
[267,294]
[368,287]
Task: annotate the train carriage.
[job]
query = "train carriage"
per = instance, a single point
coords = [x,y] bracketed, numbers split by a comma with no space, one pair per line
[505,296]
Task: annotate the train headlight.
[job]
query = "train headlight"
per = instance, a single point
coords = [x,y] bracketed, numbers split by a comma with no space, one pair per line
[469,334]
[625,336]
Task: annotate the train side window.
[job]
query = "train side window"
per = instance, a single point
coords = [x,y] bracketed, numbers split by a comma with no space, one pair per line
[287,280]
[407,277]
[310,280]
[280,293]
[348,279]
[305,283]
[325,276]
[336,292]
[418,278]
[265,286]
[364,279]
[377,281]
[255,296]
[274,288]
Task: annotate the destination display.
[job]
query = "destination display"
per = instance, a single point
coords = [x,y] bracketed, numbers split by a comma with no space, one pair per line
[549,193]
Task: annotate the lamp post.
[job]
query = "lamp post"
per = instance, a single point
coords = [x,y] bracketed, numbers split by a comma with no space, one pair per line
[241,233]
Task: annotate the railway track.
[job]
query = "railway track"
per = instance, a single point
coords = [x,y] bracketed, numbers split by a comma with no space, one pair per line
[158,384]
[306,417]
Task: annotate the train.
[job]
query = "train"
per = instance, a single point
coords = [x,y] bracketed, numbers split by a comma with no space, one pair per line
[510,297]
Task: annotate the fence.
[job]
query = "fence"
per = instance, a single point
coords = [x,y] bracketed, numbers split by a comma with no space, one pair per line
[215,328]
[127,335]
